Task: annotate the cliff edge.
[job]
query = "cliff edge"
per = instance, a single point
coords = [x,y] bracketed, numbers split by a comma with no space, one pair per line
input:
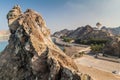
[31,54]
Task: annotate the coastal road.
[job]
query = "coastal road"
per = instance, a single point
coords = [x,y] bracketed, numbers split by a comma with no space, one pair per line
[62,43]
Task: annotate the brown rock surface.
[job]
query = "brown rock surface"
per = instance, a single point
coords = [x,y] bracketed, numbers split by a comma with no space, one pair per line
[31,54]
[113,47]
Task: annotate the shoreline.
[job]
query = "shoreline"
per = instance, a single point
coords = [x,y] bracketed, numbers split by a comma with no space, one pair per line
[3,40]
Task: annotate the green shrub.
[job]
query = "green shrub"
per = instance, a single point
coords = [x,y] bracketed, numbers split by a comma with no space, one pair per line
[97,47]
[91,41]
[97,41]
[80,54]
[66,39]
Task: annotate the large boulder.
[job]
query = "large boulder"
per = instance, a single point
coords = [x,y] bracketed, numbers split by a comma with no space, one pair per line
[31,54]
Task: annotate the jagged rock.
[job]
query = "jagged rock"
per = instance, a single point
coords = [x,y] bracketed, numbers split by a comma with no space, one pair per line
[85,33]
[81,32]
[31,54]
[12,16]
[62,33]
[114,31]
[113,47]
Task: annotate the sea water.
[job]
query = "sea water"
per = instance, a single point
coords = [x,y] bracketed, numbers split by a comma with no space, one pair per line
[3,44]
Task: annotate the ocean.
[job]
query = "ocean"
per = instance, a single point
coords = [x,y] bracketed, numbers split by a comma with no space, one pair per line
[3,45]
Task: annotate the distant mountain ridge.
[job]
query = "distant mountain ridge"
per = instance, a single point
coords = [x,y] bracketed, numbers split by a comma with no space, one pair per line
[90,35]
[63,32]
[115,31]
[86,32]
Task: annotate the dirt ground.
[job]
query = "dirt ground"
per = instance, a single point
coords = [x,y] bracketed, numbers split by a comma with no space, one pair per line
[98,69]
[97,74]
[72,50]
[95,71]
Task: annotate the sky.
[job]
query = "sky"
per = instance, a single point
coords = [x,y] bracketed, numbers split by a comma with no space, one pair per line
[70,14]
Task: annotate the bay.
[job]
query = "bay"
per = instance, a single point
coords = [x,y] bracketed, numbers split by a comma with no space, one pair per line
[3,44]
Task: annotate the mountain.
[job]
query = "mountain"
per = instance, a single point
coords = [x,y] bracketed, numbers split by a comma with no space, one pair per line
[86,32]
[63,32]
[31,54]
[116,30]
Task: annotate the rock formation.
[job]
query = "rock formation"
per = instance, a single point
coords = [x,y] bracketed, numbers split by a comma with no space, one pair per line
[85,33]
[114,31]
[113,47]
[62,33]
[31,54]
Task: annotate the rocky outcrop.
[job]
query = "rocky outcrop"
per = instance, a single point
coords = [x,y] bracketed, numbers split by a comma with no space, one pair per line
[87,32]
[31,54]
[81,32]
[113,48]
[115,31]
[62,33]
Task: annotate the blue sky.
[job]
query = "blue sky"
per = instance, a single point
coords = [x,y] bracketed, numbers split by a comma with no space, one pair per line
[70,14]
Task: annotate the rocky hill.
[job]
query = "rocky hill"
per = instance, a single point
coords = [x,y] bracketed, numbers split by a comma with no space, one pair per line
[114,31]
[31,54]
[63,32]
[84,29]
[113,47]
[87,32]
[106,35]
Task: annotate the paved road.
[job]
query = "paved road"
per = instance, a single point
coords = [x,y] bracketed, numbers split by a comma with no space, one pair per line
[62,43]
[103,65]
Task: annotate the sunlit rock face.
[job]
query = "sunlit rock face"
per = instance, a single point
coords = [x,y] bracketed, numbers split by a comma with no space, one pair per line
[31,54]
[13,15]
